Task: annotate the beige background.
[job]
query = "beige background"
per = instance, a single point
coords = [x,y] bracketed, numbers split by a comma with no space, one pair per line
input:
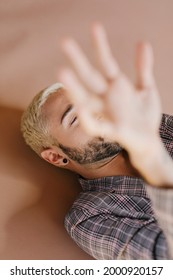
[35,196]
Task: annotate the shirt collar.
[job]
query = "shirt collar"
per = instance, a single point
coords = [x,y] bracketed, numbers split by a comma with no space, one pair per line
[126,185]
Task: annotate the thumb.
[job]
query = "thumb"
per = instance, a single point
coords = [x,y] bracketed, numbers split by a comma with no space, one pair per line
[144,65]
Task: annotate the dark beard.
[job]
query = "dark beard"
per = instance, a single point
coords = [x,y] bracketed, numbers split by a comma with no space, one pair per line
[95,151]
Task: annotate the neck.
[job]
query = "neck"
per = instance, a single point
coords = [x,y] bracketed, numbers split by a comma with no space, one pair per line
[113,166]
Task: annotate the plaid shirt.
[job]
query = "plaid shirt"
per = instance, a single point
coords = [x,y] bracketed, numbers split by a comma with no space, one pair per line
[121,217]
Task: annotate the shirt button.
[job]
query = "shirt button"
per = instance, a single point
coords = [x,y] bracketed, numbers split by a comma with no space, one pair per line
[112,191]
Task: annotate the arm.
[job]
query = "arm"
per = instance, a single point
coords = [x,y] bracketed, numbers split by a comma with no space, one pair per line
[109,105]
[162,199]
[109,235]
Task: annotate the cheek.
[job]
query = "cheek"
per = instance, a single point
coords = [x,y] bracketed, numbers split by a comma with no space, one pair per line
[74,138]
[79,139]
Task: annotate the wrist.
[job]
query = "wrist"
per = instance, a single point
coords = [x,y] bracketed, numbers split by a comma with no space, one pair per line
[154,163]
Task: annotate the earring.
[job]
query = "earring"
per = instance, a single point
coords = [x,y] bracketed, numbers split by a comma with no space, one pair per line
[65,160]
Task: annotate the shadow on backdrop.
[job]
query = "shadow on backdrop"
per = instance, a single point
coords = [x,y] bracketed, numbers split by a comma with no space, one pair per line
[35,197]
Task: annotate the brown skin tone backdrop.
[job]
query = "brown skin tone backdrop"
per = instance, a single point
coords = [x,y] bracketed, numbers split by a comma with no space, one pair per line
[35,195]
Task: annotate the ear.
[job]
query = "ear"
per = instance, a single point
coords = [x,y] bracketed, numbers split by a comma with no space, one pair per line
[52,156]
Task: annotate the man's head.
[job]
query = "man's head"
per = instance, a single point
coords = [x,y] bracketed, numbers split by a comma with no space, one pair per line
[51,127]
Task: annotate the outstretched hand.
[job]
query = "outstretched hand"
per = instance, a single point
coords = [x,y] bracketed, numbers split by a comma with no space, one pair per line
[107,102]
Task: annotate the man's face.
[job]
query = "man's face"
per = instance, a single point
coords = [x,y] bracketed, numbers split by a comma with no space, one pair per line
[73,140]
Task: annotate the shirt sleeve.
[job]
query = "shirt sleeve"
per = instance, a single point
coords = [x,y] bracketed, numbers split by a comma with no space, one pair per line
[166,133]
[162,201]
[107,236]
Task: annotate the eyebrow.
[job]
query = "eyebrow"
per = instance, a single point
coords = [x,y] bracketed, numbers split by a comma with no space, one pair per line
[68,109]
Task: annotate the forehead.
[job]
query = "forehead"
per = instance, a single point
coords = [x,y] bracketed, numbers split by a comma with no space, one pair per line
[55,103]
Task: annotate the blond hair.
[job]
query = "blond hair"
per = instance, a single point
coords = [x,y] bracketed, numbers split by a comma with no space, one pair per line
[34,124]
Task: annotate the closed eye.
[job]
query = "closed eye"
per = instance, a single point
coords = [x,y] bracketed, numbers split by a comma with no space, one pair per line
[66,112]
[74,119]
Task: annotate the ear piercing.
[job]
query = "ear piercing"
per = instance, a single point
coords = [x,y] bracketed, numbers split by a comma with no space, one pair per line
[65,160]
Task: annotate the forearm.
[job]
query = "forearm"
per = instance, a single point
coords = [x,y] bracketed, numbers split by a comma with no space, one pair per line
[156,165]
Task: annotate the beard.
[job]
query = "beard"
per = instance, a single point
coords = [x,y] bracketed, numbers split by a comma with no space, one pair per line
[94,151]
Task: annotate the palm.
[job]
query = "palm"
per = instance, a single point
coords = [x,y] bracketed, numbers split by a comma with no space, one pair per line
[135,113]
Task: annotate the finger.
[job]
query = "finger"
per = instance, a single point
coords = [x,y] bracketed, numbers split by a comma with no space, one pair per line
[77,93]
[109,65]
[144,65]
[92,79]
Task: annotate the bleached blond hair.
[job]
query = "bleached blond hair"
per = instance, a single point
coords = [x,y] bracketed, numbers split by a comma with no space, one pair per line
[34,124]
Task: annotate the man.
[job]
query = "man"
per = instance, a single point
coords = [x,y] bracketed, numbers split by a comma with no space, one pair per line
[107,130]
